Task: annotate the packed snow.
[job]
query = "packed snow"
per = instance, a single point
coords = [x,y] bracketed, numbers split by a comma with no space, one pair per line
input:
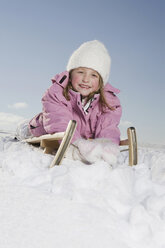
[77,205]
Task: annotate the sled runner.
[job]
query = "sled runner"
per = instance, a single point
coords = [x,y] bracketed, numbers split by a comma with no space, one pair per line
[131,142]
[50,144]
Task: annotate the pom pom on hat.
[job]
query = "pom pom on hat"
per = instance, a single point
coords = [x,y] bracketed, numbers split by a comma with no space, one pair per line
[93,55]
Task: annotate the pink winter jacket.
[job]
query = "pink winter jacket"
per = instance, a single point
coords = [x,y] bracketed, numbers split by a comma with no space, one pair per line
[57,112]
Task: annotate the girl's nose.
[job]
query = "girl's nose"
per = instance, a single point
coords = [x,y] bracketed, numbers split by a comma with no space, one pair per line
[85,78]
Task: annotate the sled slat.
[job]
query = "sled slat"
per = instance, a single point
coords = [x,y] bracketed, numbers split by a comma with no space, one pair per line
[55,136]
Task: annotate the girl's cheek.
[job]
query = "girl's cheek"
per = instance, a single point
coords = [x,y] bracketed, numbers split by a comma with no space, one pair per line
[76,78]
[96,81]
[96,84]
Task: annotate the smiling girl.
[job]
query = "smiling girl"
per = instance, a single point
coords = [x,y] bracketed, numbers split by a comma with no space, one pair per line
[82,93]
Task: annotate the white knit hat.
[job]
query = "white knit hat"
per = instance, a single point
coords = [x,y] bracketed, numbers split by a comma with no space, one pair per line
[93,55]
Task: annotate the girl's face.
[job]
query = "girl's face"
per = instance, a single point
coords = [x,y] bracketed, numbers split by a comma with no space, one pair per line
[85,80]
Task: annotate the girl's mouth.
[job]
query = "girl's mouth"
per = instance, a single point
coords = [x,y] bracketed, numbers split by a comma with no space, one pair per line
[84,86]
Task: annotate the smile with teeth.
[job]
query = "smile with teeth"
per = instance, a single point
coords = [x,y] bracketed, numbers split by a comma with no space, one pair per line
[84,86]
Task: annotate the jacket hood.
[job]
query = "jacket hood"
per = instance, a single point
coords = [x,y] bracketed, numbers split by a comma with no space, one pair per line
[61,79]
[110,88]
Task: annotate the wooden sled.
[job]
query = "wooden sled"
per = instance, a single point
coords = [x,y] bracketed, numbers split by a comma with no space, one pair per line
[50,143]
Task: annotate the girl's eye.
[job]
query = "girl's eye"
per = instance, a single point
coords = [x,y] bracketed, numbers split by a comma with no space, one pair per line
[80,71]
[94,75]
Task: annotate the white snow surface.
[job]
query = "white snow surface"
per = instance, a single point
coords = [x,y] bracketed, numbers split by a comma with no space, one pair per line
[77,205]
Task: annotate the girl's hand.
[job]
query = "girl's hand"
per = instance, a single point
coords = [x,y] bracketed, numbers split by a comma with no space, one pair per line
[90,151]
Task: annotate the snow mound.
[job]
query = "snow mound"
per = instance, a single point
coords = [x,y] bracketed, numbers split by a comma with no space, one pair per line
[77,205]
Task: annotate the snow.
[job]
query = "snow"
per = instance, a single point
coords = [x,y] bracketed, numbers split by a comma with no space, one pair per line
[77,205]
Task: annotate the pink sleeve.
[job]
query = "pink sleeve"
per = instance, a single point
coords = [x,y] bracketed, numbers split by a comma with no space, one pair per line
[57,111]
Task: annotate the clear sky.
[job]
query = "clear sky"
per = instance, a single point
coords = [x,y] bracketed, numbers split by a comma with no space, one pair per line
[38,37]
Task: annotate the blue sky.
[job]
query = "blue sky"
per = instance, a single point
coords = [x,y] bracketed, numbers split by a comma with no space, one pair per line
[38,37]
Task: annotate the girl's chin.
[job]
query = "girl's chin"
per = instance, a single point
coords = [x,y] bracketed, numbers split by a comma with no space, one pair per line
[84,94]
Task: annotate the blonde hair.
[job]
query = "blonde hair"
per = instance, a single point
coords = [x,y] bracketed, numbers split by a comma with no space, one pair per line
[102,99]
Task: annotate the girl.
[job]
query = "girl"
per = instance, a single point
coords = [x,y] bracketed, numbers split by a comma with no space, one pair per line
[82,93]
